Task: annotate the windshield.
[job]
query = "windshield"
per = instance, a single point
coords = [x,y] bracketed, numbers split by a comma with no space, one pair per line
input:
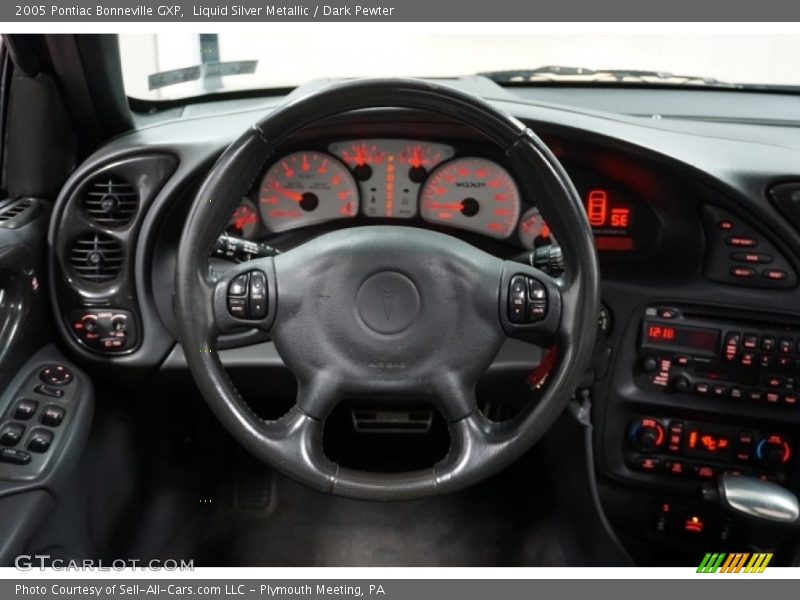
[179,65]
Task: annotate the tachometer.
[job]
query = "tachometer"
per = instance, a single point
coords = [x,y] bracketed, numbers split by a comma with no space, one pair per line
[306,188]
[244,220]
[474,194]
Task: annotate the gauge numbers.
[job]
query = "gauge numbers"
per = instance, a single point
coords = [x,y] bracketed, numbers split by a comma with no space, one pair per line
[389,172]
[306,188]
[472,193]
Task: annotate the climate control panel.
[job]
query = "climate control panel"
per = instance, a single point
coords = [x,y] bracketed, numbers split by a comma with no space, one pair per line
[691,449]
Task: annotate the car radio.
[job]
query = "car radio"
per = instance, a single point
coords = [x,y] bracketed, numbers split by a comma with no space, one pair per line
[686,352]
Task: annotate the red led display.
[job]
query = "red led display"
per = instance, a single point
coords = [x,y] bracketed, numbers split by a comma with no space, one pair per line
[657,333]
[708,442]
[605,212]
[597,207]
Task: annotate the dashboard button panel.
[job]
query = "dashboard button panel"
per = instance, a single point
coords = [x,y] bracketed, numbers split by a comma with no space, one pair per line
[108,330]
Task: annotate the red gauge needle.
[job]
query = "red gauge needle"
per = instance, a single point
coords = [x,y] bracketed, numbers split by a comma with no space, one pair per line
[445,206]
[296,196]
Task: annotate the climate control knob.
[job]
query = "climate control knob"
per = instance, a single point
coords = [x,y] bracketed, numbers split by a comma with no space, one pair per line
[646,434]
[774,450]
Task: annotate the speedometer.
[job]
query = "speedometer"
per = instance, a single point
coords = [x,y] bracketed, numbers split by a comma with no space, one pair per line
[306,188]
[474,194]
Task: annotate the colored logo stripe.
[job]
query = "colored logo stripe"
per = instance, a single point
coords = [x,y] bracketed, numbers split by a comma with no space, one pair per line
[734,563]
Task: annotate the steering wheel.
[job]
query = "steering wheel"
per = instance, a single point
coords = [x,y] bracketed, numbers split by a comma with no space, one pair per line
[382,312]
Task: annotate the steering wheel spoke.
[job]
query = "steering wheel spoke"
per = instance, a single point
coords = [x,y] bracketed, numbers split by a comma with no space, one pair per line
[245,296]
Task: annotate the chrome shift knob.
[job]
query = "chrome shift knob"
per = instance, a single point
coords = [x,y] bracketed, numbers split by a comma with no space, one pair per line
[759,499]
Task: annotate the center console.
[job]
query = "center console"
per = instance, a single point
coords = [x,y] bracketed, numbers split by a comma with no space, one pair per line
[698,392]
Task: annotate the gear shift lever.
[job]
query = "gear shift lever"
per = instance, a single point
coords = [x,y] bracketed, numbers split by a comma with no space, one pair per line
[769,511]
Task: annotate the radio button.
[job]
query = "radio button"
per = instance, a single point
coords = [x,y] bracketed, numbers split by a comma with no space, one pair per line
[785,346]
[750,341]
[737,393]
[773,382]
[731,346]
[783,361]
[667,313]
[683,360]
[747,359]
[681,384]
[719,390]
[765,360]
[768,343]
[701,388]
[772,397]
[790,399]
[754,395]
[675,437]
[650,363]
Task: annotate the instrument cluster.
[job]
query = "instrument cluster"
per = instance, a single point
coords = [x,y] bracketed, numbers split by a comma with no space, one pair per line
[416,182]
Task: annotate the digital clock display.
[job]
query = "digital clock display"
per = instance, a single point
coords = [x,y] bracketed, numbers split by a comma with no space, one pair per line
[687,337]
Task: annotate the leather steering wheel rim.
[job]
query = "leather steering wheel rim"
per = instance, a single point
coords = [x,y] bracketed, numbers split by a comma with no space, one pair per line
[293,443]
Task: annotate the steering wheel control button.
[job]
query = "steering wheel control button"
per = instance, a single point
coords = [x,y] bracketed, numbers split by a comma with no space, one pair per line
[238,286]
[24,410]
[388,302]
[11,434]
[55,375]
[258,295]
[247,296]
[40,440]
[527,300]
[14,456]
[517,299]
[52,415]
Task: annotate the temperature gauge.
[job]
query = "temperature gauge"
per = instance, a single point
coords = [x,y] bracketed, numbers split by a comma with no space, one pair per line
[533,231]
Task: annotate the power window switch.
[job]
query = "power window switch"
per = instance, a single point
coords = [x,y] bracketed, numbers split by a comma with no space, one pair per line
[52,415]
[11,434]
[14,456]
[40,440]
[25,409]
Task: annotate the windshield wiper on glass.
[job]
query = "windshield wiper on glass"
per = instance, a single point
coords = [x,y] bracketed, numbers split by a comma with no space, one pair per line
[560,74]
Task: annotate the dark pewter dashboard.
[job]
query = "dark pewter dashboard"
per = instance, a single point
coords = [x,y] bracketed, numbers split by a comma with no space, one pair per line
[698,353]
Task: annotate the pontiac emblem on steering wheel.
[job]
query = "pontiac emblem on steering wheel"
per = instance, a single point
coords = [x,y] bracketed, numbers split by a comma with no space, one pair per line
[388,299]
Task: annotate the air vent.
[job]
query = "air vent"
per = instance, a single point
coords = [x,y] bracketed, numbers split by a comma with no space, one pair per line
[15,209]
[110,200]
[96,257]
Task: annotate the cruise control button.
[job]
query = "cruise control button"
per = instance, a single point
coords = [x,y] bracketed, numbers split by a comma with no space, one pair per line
[52,415]
[14,456]
[238,307]
[40,440]
[11,434]
[25,409]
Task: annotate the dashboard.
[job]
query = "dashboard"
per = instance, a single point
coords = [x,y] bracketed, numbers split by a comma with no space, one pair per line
[423,183]
[697,365]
